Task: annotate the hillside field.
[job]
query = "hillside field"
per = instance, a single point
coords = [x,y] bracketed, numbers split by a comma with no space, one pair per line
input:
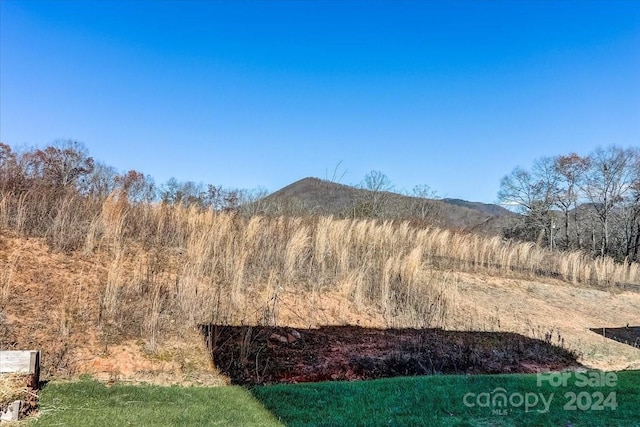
[120,294]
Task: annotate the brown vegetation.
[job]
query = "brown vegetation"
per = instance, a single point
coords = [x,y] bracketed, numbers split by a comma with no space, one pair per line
[166,266]
[81,269]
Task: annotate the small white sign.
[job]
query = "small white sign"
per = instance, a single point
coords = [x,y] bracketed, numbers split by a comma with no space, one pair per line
[17,361]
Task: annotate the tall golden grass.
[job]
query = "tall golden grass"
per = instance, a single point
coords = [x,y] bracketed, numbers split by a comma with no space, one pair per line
[176,265]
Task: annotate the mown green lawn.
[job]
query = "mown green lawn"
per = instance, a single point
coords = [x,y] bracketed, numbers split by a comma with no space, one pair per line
[440,401]
[451,400]
[89,403]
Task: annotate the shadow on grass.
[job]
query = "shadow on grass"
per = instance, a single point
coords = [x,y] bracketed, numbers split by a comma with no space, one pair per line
[267,355]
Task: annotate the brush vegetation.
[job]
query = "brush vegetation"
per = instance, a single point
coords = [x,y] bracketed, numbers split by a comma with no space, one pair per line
[198,266]
[172,265]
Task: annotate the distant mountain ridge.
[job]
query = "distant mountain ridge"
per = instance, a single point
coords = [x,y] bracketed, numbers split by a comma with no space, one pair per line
[489,208]
[321,197]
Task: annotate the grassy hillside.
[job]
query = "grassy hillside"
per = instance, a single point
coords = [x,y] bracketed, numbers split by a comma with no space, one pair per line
[124,283]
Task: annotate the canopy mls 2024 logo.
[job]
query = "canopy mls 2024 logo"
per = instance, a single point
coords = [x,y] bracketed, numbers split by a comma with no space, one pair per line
[587,391]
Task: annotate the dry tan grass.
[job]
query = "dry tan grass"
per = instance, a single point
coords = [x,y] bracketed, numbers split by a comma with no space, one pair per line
[220,260]
[533,308]
[6,278]
[115,284]
[12,387]
[172,268]
[4,212]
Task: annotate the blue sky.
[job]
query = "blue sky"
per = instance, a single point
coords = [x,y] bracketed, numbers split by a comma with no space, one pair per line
[243,94]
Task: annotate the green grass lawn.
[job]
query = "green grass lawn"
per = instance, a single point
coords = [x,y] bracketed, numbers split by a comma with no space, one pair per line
[89,403]
[440,401]
[451,400]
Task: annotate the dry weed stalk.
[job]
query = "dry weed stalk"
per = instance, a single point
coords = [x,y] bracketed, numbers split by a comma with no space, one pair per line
[4,210]
[116,281]
[6,276]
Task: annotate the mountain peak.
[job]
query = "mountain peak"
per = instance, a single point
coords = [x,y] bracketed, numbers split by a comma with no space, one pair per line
[311,195]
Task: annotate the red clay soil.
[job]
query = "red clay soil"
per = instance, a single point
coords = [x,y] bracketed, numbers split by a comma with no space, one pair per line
[266,355]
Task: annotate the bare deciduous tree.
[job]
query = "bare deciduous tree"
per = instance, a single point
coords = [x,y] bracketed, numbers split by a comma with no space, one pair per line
[608,180]
[11,175]
[251,202]
[598,195]
[571,170]
[136,186]
[61,165]
[100,182]
[425,207]
[533,194]
[378,185]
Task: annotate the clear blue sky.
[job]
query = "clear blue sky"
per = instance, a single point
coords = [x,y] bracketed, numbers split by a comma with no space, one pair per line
[243,94]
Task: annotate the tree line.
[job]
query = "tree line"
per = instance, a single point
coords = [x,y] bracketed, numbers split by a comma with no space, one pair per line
[590,203]
[65,168]
[570,201]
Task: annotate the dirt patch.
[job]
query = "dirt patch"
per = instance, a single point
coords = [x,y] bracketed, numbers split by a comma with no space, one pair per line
[178,361]
[267,355]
